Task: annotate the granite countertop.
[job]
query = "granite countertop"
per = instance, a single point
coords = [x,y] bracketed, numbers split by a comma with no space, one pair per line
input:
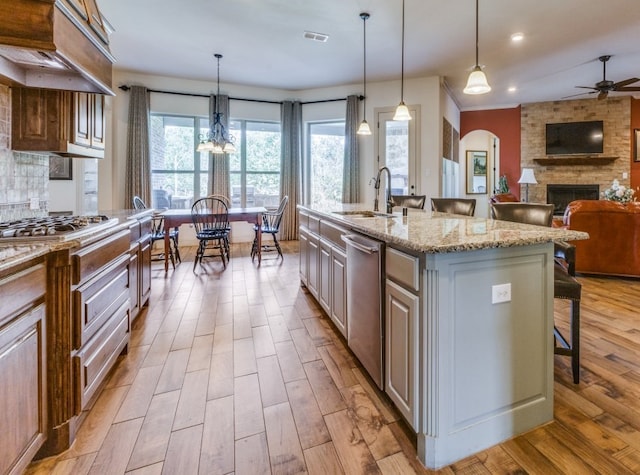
[16,251]
[15,254]
[432,232]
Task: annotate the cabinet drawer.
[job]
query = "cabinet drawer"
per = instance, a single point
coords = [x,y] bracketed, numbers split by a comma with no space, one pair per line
[403,268]
[91,258]
[331,232]
[19,290]
[92,364]
[145,226]
[314,224]
[303,219]
[95,301]
[134,228]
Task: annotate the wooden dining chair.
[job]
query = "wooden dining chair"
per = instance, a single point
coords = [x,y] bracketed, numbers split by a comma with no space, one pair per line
[210,218]
[157,234]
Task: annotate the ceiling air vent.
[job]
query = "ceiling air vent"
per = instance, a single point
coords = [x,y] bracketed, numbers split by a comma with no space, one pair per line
[321,37]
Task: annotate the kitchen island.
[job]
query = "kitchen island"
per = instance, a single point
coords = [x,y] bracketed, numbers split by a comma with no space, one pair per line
[466,319]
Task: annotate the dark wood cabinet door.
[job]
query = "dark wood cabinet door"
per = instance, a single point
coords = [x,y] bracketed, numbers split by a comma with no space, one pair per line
[39,119]
[82,119]
[97,121]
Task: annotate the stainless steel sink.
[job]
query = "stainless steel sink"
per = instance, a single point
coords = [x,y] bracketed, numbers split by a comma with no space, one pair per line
[363,214]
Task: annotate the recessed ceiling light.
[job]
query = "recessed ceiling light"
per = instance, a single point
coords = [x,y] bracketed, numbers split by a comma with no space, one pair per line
[512,89]
[517,37]
[311,35]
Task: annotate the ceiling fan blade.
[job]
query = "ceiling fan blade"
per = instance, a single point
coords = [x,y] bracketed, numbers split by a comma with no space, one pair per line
[602,95]
[624,83]
[628,89]
[588,87]
[580,94]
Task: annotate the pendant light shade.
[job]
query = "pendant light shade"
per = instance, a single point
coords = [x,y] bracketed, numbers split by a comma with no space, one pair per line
[364,128]
[402,111]
[477,82]
[216,140]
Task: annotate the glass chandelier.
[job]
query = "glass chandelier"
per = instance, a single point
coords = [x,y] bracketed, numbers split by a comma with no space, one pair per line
[217,140]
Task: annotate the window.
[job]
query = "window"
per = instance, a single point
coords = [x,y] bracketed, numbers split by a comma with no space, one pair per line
[255,167]
[326,159]
[179,174]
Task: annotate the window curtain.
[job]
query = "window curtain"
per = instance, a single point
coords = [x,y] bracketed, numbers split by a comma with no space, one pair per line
[138,171]
[219,183]
[290,166]
[351,163]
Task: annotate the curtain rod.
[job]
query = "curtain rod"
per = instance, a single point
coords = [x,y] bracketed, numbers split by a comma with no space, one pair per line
[193,94]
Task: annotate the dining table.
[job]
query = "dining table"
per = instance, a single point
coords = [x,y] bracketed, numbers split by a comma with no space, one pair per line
[175,217]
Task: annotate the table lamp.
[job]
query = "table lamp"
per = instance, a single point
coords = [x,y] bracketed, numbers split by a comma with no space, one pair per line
[527,178]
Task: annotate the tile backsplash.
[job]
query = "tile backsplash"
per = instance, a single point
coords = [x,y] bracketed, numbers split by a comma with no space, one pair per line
[24,177]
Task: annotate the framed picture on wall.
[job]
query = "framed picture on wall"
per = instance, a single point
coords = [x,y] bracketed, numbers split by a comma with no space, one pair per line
[60,168]
[636,145]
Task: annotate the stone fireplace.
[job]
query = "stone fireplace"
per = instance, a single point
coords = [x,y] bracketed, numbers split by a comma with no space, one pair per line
[562,195]
[599,170]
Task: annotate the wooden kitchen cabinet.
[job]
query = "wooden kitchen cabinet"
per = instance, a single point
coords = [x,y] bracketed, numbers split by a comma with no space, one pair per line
[23,363]
[61,122]
[314,264]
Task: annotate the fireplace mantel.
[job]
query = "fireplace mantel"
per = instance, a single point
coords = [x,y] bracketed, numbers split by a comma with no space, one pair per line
[574,160]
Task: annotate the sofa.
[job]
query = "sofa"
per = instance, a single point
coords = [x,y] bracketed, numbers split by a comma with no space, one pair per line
[614,230]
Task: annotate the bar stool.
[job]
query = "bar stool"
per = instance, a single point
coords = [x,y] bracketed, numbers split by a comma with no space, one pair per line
[568,288]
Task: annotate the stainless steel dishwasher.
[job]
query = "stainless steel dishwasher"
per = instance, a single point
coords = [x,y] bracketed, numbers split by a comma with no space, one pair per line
[365,321]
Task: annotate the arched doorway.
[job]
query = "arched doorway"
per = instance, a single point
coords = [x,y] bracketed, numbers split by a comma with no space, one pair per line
[479,168]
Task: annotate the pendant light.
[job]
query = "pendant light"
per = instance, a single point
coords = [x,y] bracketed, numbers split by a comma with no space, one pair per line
[477,82]
[402,111]
[364,128]
[216,140]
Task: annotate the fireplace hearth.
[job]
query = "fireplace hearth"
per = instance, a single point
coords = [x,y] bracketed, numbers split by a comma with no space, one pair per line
[562,195]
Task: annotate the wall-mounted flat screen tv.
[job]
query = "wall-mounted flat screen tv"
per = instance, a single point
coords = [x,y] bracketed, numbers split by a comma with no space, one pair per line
[570,138]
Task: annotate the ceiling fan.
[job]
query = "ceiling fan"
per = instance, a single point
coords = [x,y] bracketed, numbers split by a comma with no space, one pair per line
[604,87]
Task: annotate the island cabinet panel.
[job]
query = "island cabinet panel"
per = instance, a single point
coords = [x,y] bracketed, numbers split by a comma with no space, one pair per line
[304,256]
[144,269]
[338,311]
[324,291]
[313,277]
[487,368]
[23,367]
[401,350]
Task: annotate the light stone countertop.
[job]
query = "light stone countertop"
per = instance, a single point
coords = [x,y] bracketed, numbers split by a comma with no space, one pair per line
[15,254]
[433,233]
[15,251]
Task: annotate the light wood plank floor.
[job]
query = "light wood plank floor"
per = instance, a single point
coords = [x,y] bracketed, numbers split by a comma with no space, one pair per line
[239,371]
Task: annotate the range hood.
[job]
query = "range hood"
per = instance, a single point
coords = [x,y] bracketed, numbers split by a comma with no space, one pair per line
[55,44]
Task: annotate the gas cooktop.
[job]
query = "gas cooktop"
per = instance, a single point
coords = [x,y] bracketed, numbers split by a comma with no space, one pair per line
[58,227]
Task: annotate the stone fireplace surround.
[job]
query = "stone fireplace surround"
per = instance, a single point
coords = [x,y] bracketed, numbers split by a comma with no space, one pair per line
[615,112]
